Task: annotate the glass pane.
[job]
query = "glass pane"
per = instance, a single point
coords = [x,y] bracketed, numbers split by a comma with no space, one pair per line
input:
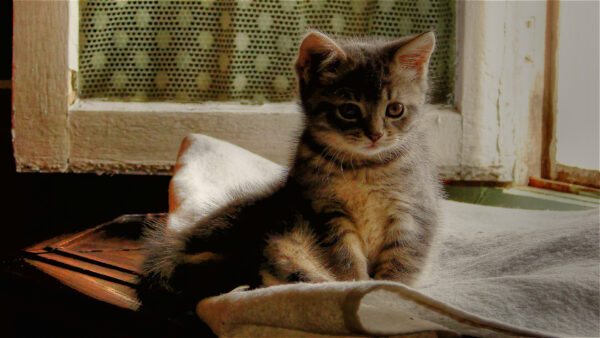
[192,51]
[578,120]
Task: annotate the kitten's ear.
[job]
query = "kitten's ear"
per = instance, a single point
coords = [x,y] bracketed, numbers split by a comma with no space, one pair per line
[413,56]
[316,52]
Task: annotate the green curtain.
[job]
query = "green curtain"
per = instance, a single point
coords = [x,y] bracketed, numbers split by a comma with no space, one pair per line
[195,51]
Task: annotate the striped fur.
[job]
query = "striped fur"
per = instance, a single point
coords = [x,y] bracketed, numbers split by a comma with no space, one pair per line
[360,200]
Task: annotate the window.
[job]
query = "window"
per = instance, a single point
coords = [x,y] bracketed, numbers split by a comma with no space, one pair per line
[577,112]
[482,136]
[198,51]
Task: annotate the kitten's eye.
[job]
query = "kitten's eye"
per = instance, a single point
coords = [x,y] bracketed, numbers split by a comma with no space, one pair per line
[349,111]
[394,110]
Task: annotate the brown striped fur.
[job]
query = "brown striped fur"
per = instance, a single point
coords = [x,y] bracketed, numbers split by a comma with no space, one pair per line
[361,197]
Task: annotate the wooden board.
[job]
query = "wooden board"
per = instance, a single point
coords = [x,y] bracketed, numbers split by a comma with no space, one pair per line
[40,85]
[102,262]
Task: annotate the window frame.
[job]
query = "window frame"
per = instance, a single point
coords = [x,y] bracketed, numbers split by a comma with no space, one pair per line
[477,140]
[551,168]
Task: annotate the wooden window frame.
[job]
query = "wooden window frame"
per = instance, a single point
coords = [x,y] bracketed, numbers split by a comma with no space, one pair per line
[551,168]
[479,139]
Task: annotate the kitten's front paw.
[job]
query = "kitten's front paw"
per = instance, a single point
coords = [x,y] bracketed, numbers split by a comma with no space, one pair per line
[354,275]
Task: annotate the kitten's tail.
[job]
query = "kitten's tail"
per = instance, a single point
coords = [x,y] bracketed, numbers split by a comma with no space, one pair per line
[163,250]
[175,277]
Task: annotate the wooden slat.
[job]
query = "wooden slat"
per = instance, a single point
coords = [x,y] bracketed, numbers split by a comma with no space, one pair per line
[42,247]
[561,186]
[102,262]
[550,101]
[101,241]
[121,224]
[123,260]
[105,291]
[579,176]
[91,267]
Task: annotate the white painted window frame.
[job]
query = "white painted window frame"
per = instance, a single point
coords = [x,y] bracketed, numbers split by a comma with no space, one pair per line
[493,133]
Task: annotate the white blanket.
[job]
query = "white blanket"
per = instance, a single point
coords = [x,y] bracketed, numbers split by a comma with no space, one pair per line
[494,271]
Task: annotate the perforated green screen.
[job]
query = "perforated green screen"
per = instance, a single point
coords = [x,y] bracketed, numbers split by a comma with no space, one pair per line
[194,51]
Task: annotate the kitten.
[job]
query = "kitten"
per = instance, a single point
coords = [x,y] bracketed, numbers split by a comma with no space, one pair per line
[361,197]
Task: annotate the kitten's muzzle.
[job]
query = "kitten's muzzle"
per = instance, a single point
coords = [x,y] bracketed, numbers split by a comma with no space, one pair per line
[374,137]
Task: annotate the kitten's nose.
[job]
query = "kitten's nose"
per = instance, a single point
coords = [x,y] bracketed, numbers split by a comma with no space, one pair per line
[375,137]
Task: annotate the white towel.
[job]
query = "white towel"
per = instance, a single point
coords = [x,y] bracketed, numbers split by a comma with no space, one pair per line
[494,271]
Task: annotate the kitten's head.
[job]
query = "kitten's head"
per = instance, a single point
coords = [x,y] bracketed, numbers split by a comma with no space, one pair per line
[361,97]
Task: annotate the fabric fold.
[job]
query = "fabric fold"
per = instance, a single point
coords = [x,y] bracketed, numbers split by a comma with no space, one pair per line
[494,271]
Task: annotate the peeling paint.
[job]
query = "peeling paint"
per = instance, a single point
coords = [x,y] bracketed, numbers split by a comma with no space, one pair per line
[72,94]
[114,168]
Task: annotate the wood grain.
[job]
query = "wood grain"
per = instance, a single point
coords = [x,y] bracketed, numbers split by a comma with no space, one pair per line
[550,99]
[40,80]
[99,289]
[102,262]
[575,175]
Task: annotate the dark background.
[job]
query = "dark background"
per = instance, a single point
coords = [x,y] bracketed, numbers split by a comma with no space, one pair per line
[37,206]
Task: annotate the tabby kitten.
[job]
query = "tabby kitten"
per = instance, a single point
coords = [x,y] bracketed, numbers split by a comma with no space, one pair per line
[361,197]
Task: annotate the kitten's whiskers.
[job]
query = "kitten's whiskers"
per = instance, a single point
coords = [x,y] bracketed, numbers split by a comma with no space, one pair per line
[324,153]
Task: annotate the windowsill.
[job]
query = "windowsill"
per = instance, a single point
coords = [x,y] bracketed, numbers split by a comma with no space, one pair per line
[176,107]
[144,137]
[100,105]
